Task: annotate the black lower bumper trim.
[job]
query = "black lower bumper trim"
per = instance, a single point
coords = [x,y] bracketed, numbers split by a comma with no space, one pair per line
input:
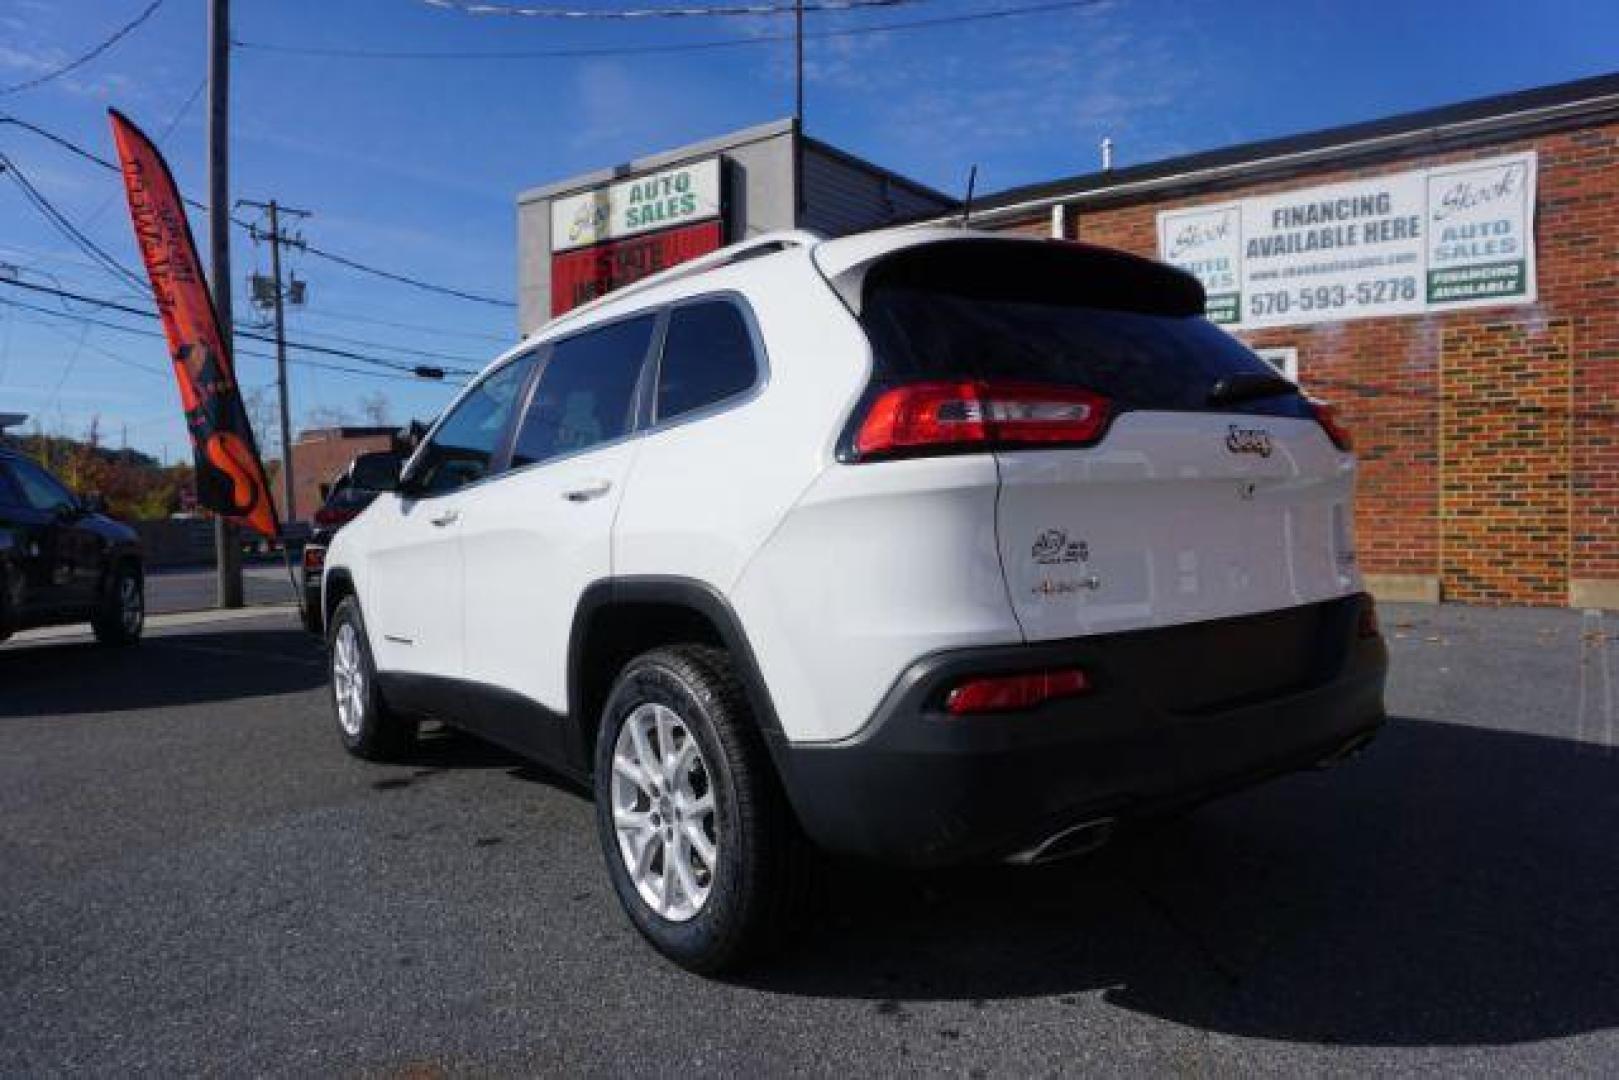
[1178,714]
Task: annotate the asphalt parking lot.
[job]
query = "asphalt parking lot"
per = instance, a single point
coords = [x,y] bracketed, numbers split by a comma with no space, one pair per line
[196,879]
[194,588]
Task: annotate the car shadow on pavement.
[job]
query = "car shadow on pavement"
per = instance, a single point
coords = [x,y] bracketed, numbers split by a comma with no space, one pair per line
[60,678]
[1452,886]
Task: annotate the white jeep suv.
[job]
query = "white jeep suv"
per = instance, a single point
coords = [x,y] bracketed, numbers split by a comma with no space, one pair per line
[929,546]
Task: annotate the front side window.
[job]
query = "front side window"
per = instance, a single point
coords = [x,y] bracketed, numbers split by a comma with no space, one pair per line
[39,489]
[10,493]
[586,393]
[463,449]
[707,357]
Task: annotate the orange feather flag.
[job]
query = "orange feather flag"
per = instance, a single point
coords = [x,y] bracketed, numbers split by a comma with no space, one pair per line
[231,480]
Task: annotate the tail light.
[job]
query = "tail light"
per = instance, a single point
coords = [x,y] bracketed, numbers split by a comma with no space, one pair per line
[328,518]
[314,558]
[1327,416]
[940,416]
[1013,693]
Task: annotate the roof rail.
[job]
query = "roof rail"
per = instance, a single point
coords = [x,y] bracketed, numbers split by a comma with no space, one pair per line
[764,244]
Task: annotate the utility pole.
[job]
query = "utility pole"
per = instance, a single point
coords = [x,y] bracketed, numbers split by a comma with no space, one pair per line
[798,61]
[273,210]
[227,550]
[798,112]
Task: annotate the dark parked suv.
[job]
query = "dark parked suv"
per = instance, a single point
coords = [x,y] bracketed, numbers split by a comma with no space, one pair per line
[64,561]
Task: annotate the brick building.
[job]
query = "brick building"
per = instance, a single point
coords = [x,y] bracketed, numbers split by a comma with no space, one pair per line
[319,455]
[1483,388]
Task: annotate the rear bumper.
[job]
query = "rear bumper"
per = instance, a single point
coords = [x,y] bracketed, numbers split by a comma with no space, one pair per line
[1177,715]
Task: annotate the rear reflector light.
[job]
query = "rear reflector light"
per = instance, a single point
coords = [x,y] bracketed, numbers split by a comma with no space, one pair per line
[314,557]
[329,518]
[931,416]
[1327,416]
[1368,620]
[1011,693]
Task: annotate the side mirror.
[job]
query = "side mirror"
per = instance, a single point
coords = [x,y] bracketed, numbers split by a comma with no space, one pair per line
[94,503]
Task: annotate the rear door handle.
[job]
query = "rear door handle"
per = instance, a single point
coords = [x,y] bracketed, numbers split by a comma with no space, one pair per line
[449,517]
[595,489]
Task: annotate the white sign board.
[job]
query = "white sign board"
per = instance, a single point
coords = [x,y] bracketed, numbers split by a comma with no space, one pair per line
[1406,244]
[644,204]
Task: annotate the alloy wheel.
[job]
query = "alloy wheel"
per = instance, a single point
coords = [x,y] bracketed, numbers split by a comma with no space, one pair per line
[664,813]
[348,680]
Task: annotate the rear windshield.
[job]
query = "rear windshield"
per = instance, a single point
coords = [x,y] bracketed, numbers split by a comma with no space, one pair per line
[1124,327]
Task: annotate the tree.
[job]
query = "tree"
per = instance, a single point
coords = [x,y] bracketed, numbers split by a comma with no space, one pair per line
[377,409]
[324,416]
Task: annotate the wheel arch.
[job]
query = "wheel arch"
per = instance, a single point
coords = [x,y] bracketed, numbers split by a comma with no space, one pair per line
[618,619]
[336,584]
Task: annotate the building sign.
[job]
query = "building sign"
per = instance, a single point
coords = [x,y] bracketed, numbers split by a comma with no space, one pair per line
[578,276]
[1407,244]
[644,204]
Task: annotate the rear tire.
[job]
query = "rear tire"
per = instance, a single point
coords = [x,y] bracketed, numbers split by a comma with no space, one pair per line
[700,843]
[121,616]
[368,728]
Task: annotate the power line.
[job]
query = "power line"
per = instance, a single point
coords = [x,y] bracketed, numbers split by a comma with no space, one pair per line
[403,279]
[162,137]
[140,332]
[66,227]
[669,48]
[331,256]
[74,65]
[467,7]
[407,350]
[346,354]
[396,324]
[92,346]
[140,296]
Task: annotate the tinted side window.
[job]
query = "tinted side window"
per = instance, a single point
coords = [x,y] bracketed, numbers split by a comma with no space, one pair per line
[707,357]
[463,447]
[585,393]
[39,489]
[10,494]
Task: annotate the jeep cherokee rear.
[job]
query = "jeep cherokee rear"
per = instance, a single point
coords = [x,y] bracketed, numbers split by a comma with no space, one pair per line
[930,546]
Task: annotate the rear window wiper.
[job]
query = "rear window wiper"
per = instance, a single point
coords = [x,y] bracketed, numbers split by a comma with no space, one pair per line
[1248,385]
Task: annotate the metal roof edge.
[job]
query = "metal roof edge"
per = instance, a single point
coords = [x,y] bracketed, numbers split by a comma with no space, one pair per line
[1515,113]
[663,160]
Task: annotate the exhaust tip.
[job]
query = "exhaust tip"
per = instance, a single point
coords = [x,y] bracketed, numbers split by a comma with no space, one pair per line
[1067,843]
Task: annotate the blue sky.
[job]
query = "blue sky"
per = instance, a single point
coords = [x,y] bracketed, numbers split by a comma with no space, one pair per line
[415,165]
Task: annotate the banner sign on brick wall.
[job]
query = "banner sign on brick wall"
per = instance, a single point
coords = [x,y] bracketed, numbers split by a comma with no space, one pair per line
[1409,243]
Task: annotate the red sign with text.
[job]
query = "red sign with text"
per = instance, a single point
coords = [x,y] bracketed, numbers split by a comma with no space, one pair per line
[586,273]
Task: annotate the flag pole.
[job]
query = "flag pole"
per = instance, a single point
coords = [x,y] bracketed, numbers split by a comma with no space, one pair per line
[227,548]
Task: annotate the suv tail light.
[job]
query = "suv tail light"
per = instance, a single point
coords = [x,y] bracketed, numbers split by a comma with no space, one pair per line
[926,417]
[314,558]
[1012,693]
[1327,416]
[327,517]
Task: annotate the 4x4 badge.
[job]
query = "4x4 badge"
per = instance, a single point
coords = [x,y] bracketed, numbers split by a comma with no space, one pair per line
[1241,440]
